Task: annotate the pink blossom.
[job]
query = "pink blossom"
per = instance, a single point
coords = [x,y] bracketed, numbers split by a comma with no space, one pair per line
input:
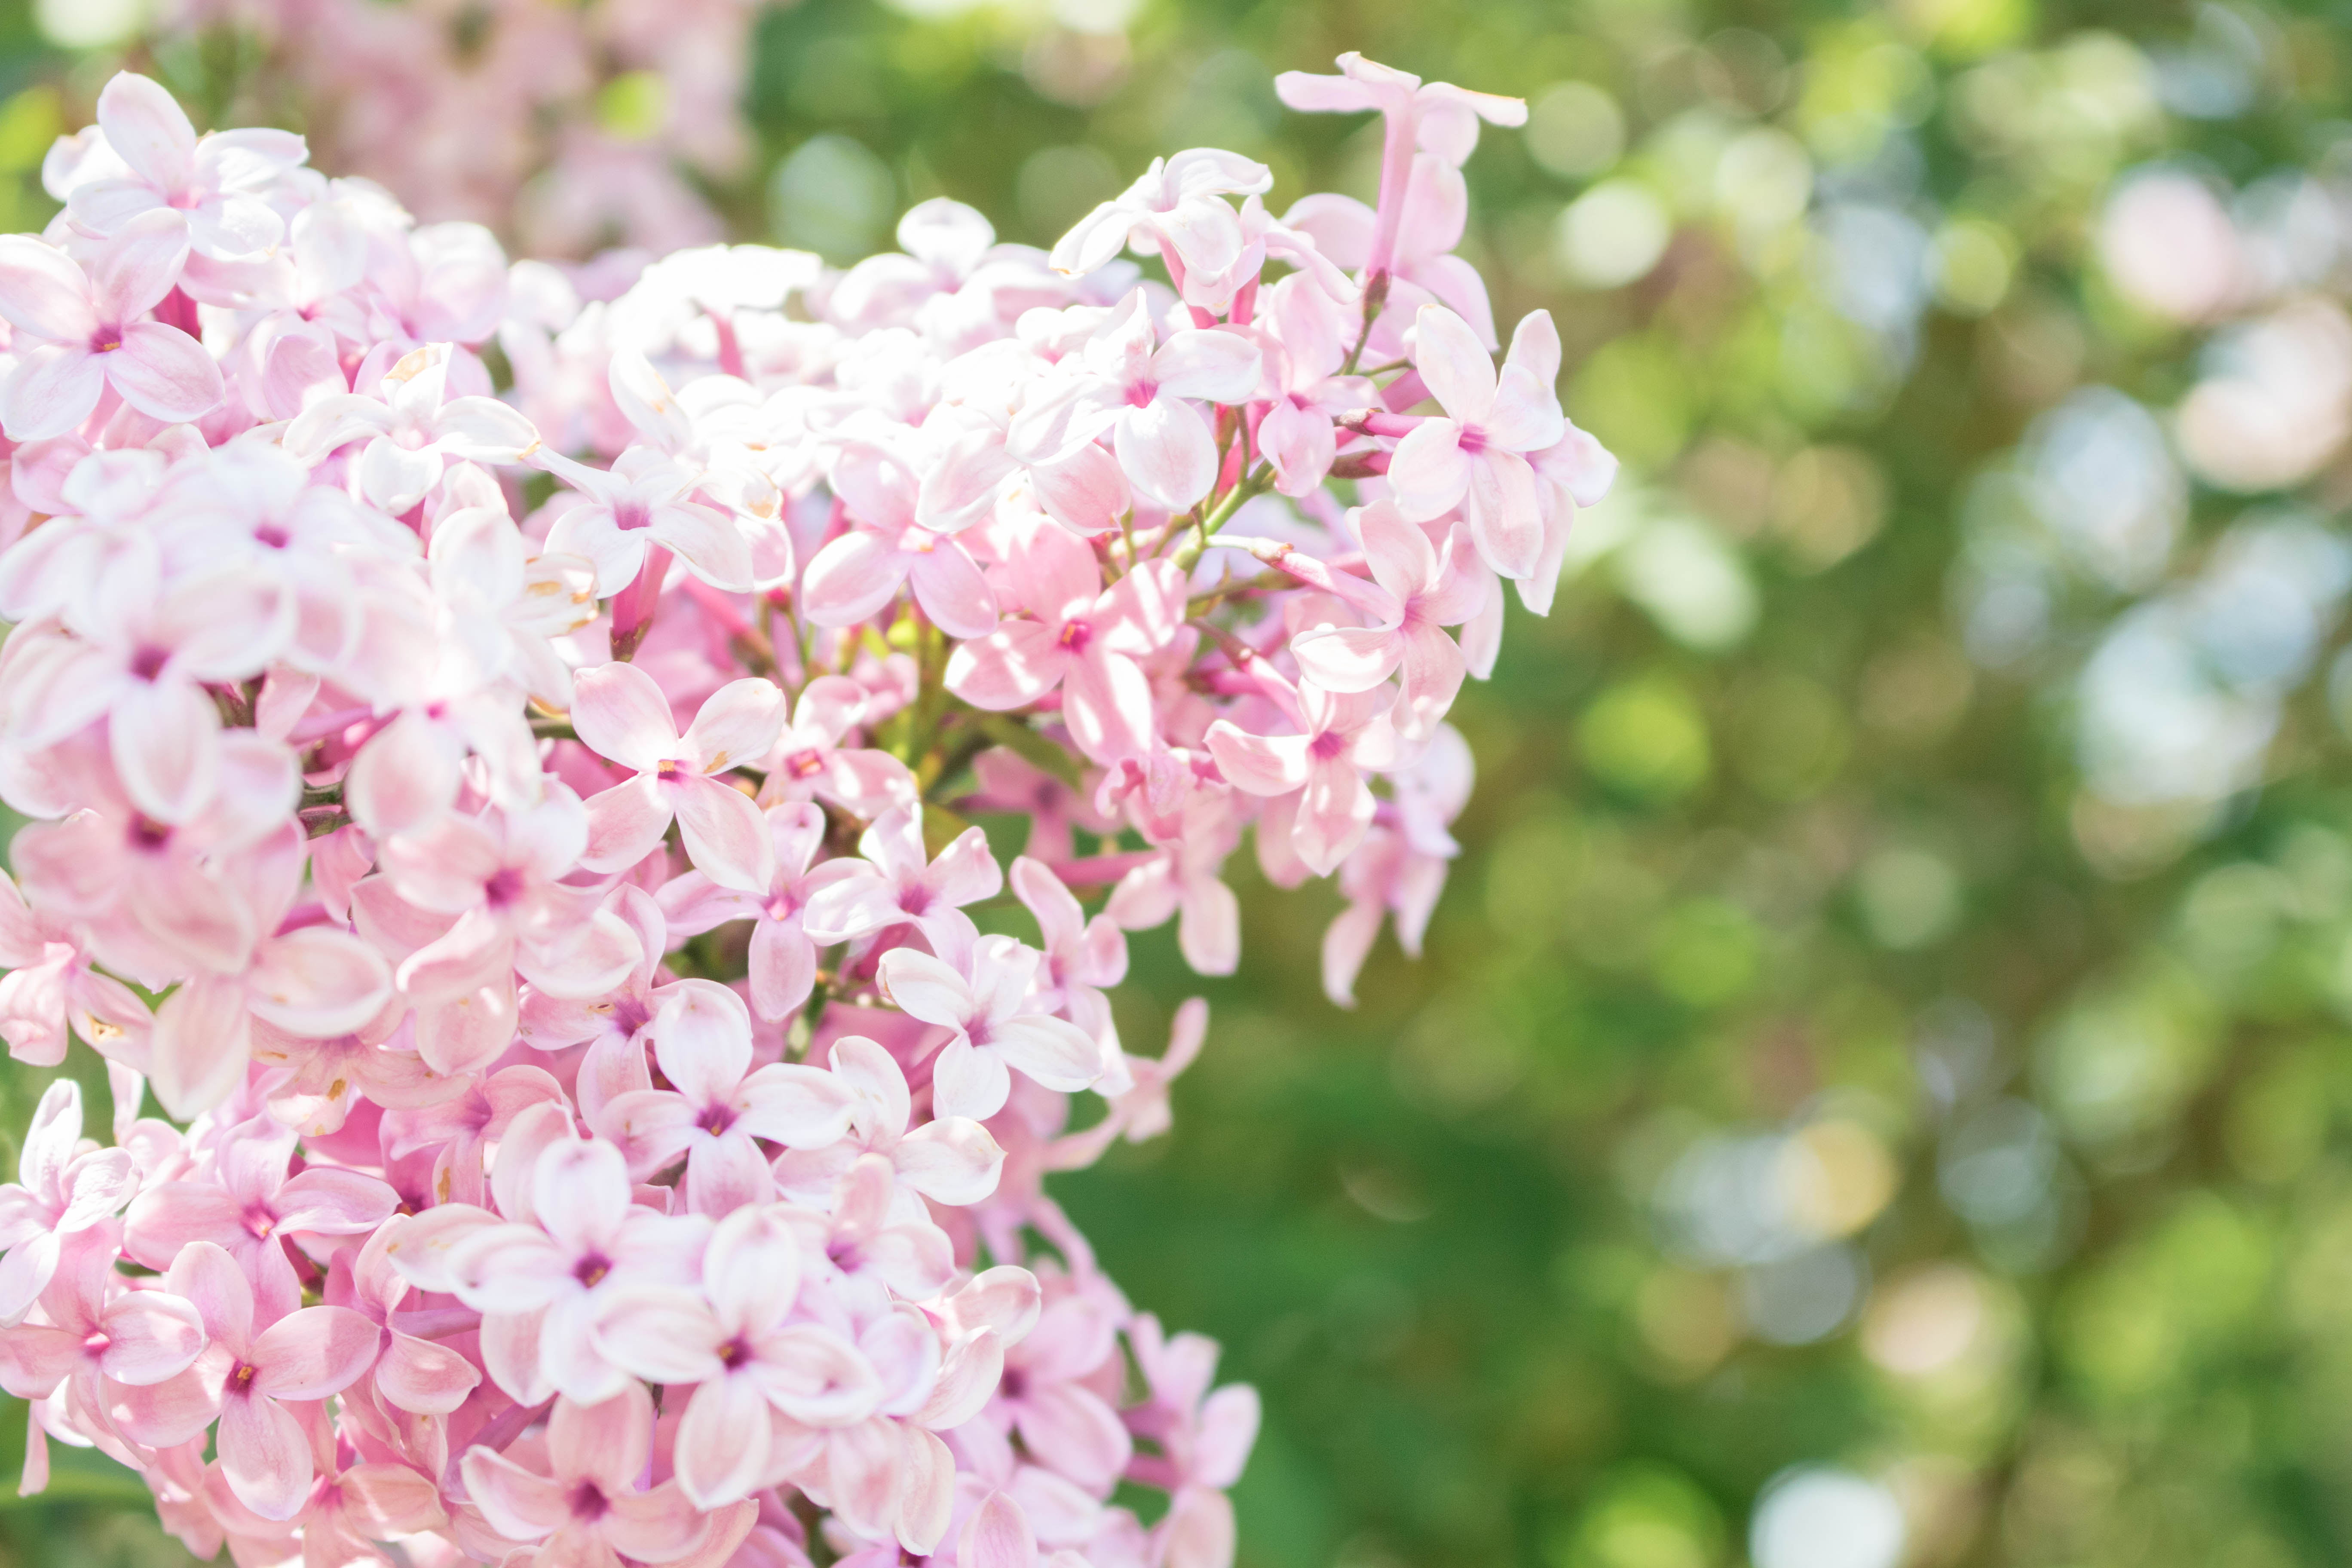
[717,1107]
[589,1505]
[252,1208]
[950,1159]
[1474,458]
[1085,639]
[60,1192]
[265,1454]
[853,577]
[81,333]
[411,429]
[645,501]
[620,713]
[1436,115]
[1419,594]
[51,981]
[898,884]
[783,959]
[543,1285]
[1344,732]
[101,1331]
[809,759]
[1143,397]
[987,1005]
[214,186]
[412,1373]
[1177,203]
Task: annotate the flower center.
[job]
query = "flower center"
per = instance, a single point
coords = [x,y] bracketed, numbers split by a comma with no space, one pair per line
[631,515]
[716,1118]
[241,1380]
[1327,745]
[588,1503]
[591,1269]
[95,1342]
[1076,636]
[805,765]
[146,833]
[148,662]
[734,1352]
[504,888]
[1140,395]
[106,340]
[259,1222]
[272,535]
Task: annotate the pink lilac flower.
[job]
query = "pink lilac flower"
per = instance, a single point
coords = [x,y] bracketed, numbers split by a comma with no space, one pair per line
[898,884]
[1419,594]
[1084,638]
[987,1006]
[783,957]
[81,332]
[1475,457]
[60,1192]
[589,1505]
[619,712]
[308,1355]
[809,761]
[948,1159]
[216,187]
[719,1107]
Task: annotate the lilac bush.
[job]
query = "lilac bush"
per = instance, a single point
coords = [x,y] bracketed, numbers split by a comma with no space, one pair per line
[500,745]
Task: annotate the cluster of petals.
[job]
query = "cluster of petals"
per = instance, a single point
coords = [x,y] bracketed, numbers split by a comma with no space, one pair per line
[605,806]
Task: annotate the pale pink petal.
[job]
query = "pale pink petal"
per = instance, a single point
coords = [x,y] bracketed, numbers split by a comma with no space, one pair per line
[659,1526]
[996,1536]
[202,1043]
[1454,363]
[1349,658]
[702,1037]
[725,836]
[784,969]
[625,822]
[519,1504]
[1259,764]
[619,712]
[264,1456]
[53,388]
[148,130]
[951,590]
[1217,364]
[314,1352]
[967,1082]
[1166,453]
[722,1442]
[424,1378]
[953,1160]
[151,1335]
[609,1441]
[1429,471]
[43,292]
[317,981]
[1013,666]
[1505,515]
[925,988]
[1070,1429]
[790,1103]
[162,370]
[851,578]
[1054,1051]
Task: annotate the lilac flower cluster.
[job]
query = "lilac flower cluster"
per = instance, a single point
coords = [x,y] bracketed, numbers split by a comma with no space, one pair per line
[538,880]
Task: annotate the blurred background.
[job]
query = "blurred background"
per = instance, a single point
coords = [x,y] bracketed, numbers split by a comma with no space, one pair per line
[1877,1092]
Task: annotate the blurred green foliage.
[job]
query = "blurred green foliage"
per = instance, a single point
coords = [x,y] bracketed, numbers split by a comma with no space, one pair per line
[1808,1065]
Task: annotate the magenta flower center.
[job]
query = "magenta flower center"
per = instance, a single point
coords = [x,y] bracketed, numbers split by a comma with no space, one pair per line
[591,1269]
[1140,395]
[1327,745]
[588,1503]
[631,515]
[146,833]
[1076,636]
[716,1118]
[95,1342]
[734,1352]
[504,888]
[259,1222]
[272,535]
[106,340]
[148,662]
[805,763]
